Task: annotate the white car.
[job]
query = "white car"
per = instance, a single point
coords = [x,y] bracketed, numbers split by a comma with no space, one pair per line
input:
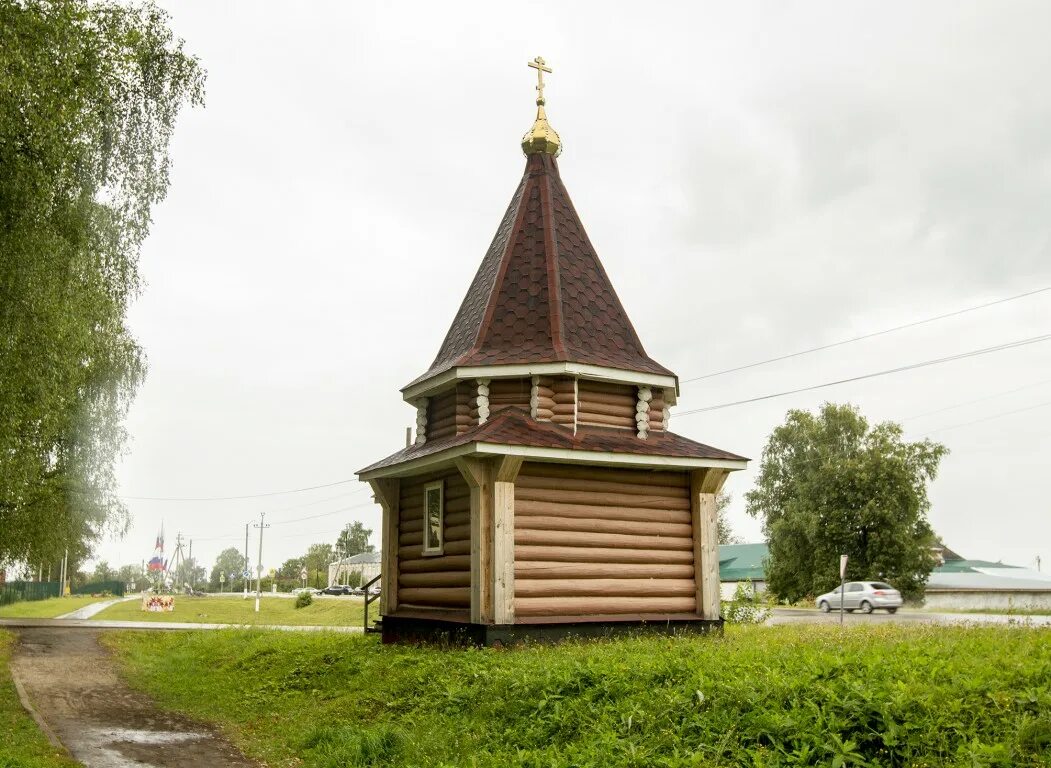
[864,596]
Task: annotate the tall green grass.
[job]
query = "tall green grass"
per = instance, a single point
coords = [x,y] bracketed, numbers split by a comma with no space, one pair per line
[760,696]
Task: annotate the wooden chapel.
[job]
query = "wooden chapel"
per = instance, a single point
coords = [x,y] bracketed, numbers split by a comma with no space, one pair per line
[544,495]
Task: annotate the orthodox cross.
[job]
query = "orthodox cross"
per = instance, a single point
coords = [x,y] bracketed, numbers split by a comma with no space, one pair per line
[540,67]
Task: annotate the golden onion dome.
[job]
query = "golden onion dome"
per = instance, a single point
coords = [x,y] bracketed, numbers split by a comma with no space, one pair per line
[541,138]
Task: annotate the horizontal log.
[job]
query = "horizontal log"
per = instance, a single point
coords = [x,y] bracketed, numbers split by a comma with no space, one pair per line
[601,525]
[544,413]
[450,423]
[564,408]
[605,540]
[562,419]
[600,498]
[455,490]
[568,554]
[450,548]
[452,409]
[437,433]
[641,514]
[509,386]
[597,482]
[627,410]
[546,569]
[451,596]
[634,476]
[605,587]
[601,420]
[604,398]
[590,385]
[543,391]
[435,579]
[436,564]
[563,385]
[583,606]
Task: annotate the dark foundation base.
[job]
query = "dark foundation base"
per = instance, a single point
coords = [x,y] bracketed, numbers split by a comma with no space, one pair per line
[412,630]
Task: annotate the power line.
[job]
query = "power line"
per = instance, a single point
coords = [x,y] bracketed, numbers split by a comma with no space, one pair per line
[324,514]
[238,498]
[977,400]
[990,418]
[866,336]
[913,366]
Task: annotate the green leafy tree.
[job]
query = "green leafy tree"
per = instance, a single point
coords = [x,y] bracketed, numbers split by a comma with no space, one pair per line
[722,506]
[288,575]
[829,485]
[190,572]
[130,574]
[89,93]
[102,572]
[230,561]
[317,561]
[353,540]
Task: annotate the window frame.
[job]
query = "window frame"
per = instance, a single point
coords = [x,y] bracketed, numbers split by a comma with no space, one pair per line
[428,550]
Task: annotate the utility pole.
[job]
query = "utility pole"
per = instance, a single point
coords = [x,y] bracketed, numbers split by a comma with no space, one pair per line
[245,572]
[192,568]
[1038,563]
[259,564]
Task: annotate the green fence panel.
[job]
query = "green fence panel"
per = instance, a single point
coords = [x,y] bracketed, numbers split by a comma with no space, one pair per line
[98,587]
[17,591]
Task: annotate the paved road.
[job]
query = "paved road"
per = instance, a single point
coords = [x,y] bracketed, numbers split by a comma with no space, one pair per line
[73,689]
[807,616]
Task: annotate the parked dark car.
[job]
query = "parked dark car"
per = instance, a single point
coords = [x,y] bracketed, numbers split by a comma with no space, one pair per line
[336,589]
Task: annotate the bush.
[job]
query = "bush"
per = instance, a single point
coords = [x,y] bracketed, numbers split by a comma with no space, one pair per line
[303,599]
[747,606]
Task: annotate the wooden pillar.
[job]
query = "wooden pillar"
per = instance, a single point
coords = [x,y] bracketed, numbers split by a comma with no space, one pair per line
[479,479]
[388,494]
[705,485]
[504,472]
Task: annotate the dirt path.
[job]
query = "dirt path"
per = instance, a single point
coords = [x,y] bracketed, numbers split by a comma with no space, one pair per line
[72,683]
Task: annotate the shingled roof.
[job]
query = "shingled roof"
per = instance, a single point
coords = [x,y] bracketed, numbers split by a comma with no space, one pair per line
[512,426]
[541,294]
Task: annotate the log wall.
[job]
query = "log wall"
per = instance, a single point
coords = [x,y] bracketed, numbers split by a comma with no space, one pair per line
[450,412]
[503,393]
[435,581]
[606,405]
[542,400]
[657,406]
[563,400]
[598,541]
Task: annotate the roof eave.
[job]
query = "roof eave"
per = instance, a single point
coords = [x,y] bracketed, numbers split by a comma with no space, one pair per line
[562,455]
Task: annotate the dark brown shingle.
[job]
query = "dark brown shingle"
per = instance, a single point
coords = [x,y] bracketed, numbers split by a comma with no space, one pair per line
[541,294]
[513,426]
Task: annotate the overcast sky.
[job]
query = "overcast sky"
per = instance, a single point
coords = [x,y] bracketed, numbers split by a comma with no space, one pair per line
[757,179]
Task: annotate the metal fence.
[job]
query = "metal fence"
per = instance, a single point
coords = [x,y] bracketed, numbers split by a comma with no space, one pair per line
[17,591]
[99,587]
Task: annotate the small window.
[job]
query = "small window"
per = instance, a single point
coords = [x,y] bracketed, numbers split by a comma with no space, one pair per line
[433,518]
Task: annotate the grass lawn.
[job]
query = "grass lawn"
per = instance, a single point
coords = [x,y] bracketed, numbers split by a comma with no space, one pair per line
[342,611]
[47,609]
[22,745]
[888,695]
